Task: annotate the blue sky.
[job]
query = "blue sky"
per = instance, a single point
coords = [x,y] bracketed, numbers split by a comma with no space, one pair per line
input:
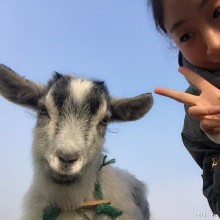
[115,41]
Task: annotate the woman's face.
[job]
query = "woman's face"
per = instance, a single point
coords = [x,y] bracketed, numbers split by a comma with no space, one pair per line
[194,26]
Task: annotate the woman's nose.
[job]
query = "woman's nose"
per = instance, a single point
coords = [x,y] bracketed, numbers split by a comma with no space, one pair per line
[212,39]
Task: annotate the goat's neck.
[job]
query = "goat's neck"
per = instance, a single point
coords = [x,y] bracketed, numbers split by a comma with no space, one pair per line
[68,197]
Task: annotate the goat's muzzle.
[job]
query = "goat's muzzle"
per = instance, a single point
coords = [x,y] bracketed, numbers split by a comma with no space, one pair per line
[67,159]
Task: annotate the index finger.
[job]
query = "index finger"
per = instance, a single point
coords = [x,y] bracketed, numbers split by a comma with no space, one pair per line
[196,79]
[177,95]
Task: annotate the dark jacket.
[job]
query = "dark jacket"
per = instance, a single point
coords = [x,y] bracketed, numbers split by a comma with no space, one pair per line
[203,150]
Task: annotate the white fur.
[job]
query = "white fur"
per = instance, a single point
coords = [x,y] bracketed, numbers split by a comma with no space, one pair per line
[116,187]
[80,88]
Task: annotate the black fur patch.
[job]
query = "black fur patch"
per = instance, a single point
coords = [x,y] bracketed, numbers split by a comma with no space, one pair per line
[61,91]
[94,99]
[55,78]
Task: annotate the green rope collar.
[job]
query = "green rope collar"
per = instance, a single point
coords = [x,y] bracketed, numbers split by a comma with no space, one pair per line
[52,213]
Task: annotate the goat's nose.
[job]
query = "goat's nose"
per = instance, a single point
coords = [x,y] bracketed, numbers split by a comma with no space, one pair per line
[67,159]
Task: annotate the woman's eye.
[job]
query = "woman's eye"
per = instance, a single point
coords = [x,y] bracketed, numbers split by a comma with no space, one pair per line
[216,13]
[185,37]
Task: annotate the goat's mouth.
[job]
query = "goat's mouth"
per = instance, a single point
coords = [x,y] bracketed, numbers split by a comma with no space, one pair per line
[61,175]
[64,179]
[63,168]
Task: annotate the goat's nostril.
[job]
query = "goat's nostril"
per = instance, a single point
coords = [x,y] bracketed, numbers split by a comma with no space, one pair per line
[67,159]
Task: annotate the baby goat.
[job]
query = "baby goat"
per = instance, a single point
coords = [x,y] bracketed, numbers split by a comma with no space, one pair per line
[72,116]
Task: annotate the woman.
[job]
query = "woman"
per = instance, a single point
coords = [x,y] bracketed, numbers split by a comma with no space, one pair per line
[194,26]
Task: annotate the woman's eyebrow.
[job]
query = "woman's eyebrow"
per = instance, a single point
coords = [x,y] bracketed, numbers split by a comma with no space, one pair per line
[176,25]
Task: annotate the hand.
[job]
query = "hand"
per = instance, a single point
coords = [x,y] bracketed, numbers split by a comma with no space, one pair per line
[205,107]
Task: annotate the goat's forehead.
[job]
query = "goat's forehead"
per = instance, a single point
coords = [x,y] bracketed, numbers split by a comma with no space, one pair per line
[80,89]
[78,94]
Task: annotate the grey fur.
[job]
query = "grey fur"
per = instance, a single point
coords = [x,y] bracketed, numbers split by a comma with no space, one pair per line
[18,89]
[68,144]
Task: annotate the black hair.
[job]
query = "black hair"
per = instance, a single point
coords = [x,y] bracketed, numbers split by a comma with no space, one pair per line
[158,16]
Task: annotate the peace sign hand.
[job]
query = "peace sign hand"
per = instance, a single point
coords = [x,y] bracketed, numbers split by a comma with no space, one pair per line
[205,107]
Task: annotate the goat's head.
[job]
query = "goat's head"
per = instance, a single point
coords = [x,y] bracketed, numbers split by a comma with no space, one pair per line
[72,116]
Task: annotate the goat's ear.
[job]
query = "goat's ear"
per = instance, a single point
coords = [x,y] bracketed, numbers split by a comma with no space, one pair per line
[19,90]
[131,109]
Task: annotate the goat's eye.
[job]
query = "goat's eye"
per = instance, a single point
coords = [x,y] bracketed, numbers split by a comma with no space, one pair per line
[43,111]
[104,121]
[43,116]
